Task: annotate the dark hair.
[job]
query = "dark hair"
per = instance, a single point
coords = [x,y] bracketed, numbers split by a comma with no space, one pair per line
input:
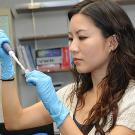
[111,19]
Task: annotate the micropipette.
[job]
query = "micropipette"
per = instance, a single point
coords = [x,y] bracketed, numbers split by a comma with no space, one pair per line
[8,50]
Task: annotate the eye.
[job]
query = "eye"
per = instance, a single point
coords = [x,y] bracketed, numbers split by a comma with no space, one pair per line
[82,38]
[70,40]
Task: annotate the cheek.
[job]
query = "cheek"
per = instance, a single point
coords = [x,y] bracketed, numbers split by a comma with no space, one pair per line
[95,57]
[95,46]
[94,52]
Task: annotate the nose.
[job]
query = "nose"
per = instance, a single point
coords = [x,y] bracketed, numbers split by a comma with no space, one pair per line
[73,46]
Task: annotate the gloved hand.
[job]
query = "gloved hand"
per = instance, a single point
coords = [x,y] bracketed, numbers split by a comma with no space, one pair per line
[7,68]
[48,95]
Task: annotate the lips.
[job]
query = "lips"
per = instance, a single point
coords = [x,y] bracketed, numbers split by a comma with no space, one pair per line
[76,61]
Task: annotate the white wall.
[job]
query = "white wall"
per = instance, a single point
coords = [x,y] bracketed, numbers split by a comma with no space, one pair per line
[130,10]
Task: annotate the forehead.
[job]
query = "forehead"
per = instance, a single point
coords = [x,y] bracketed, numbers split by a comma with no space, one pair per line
[80,21]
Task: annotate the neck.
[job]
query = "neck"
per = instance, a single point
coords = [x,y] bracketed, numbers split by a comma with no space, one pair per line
[97,76]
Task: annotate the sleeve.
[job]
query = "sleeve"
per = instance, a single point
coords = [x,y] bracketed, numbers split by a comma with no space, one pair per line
[64,92]
[126,114]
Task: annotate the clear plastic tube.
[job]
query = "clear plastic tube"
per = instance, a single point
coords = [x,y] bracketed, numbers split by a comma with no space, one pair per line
[12,54]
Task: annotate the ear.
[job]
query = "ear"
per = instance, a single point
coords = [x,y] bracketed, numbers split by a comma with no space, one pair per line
[113,42]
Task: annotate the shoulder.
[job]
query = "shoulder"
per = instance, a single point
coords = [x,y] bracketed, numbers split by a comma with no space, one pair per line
[128,98]
[65,91]
[64,96]
[126,113]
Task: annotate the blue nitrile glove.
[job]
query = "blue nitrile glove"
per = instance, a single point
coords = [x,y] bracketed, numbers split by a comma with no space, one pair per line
[7,68]
[48,95]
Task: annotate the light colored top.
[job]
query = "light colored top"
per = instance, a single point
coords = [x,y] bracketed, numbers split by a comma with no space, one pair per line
[126,112]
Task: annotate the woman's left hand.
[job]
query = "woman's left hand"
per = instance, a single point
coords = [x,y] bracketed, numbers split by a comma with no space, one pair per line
[48,95]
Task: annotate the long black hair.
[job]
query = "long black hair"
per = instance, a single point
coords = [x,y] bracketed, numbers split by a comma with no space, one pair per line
[111,19]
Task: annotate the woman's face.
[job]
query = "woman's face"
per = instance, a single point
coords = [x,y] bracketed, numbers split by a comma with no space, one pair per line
[90,50]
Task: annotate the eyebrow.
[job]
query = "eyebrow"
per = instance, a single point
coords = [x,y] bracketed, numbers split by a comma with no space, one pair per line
[80,30]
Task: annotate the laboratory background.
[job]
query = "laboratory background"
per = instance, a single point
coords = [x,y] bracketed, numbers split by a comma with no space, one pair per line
[38,31]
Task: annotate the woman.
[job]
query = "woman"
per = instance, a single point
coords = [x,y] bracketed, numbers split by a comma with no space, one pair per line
[102,42]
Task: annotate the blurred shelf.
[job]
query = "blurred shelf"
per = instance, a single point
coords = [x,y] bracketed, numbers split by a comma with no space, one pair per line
[23,10]
[44,37]
[46,6]
[53,71]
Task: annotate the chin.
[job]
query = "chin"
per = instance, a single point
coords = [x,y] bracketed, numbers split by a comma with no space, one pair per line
[82,71]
